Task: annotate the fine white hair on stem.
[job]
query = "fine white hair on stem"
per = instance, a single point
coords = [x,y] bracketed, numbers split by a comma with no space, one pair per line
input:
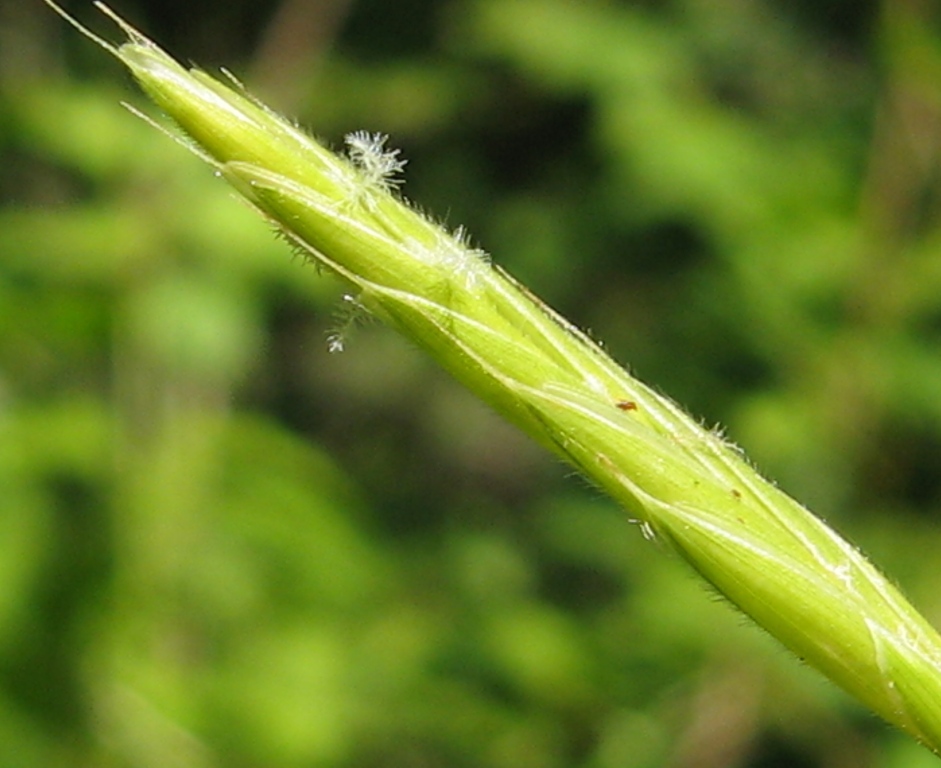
[467,262]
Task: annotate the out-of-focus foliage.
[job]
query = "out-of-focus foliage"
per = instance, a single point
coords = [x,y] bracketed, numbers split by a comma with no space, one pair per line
[222,546]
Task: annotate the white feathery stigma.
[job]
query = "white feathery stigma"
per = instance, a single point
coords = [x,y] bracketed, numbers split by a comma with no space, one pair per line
[349,314]
[378,165]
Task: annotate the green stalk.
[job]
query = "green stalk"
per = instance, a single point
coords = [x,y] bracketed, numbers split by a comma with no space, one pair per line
[767,554]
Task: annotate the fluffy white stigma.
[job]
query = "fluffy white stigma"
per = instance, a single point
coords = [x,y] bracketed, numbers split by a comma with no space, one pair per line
[379,166]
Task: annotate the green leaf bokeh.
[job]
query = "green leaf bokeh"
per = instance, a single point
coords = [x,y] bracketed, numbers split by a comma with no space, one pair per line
[221,545]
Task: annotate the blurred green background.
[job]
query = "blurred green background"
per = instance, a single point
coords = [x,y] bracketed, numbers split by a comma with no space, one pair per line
[221,545]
